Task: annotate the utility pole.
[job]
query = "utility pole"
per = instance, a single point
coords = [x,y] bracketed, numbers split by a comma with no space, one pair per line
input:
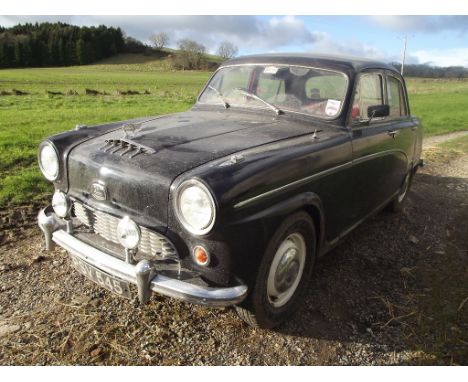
[404,57]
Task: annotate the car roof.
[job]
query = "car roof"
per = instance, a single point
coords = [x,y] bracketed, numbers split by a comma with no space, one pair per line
[337,62]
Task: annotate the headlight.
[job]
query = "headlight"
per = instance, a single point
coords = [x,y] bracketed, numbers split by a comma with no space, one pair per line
[48,161]
[61,204]
[128,233]
[195,207]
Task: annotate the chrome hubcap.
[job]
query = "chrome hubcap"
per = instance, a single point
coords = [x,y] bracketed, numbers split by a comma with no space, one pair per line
[286,270]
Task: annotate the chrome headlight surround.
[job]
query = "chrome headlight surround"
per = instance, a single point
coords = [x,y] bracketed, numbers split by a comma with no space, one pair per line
[49,161]
[195,187]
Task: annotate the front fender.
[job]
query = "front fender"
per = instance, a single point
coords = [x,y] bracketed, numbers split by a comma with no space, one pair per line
[272,216]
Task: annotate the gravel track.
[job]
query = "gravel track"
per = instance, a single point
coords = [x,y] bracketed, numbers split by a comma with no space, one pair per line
[394,292]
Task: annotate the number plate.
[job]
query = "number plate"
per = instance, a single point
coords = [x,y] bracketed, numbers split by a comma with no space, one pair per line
[103,279]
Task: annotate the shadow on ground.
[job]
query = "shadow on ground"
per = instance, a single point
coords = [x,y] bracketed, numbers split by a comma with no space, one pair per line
[398,280]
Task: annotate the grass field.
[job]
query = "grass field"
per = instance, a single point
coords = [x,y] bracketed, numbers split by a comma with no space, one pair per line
[27,119]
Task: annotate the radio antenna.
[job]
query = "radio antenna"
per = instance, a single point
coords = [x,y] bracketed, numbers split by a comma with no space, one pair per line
[404,56]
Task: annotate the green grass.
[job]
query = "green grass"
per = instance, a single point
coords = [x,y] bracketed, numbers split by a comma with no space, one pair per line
[26,120]
[442,104]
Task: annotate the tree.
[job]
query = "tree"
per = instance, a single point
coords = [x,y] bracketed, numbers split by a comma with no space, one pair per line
[227,50]
[191,54]
[159,40]
[132,45]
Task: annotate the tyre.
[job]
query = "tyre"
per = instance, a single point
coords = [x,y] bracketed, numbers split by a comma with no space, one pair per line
[283,273]
[396,205]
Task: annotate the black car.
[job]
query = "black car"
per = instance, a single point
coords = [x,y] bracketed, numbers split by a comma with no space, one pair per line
[231,203]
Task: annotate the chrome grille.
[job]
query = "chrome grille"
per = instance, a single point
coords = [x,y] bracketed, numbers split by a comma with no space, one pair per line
[105,225]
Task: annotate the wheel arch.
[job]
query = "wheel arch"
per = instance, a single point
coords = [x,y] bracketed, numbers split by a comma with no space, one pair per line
[309,202]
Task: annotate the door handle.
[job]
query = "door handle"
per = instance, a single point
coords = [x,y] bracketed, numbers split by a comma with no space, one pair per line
[392,133]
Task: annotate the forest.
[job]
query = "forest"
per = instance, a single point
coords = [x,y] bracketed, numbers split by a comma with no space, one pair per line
[57,44]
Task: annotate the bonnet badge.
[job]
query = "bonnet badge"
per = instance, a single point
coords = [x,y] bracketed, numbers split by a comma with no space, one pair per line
[99,191]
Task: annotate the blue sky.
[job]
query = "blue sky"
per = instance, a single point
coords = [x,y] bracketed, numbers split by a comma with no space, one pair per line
[437,40]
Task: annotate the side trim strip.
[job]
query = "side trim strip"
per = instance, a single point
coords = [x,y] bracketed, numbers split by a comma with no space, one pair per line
[376,155]
[319,175]
[293,184]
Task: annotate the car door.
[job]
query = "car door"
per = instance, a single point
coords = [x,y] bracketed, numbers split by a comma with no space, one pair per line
[403,126]
[379,163]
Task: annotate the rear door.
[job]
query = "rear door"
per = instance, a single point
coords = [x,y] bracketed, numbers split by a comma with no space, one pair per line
[403,126]
[379,162]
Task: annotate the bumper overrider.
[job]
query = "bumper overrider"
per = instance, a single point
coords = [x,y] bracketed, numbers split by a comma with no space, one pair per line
[143,274]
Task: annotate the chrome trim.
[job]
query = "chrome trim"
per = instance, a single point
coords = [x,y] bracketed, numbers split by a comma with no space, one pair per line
[299,182]
[98,191]
[292,184]
[379,154]
[144,273]
[178,212]
[112,146]
[47,224]
[105,225]
[41,146]
[140,275]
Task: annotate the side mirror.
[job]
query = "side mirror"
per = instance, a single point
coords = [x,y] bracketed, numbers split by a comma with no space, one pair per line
[378,111]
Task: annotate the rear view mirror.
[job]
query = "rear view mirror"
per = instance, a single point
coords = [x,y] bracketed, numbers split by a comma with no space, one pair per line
[378,111]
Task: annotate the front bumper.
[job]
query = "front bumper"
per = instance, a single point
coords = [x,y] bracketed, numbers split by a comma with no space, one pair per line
[144,274]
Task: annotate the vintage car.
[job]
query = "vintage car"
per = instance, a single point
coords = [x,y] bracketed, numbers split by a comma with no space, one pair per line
[231,203]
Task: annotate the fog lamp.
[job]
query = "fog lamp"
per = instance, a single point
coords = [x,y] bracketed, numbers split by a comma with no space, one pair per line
[61,204]
[128,233]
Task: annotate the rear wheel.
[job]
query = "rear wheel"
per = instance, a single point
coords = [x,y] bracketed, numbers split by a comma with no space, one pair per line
[283,274]
[396,205]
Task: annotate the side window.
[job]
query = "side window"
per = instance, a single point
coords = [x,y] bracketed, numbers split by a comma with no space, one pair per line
[396,99]
[368,93]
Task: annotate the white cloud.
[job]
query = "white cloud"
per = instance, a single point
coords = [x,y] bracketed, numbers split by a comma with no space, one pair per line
[443,57]
[264,34]
[253,34]
[425,24]
[351,47]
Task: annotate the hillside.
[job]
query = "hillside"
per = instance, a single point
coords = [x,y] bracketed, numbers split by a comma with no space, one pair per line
[154,62]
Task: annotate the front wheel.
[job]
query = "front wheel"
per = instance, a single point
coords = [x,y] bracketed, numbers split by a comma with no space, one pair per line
[283,274]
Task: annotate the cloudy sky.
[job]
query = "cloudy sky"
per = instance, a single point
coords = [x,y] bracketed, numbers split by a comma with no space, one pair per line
[437,40]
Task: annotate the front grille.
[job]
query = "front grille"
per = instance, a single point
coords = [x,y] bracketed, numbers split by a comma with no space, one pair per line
[105,225]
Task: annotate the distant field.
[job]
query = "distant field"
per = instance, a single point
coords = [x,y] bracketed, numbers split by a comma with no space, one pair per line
[441,104]
[27,119]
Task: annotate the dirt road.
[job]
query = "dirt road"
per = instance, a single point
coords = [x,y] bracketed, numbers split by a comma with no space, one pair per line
[395,292]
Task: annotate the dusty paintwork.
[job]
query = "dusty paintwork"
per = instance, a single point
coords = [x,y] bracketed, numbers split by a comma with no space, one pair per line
[259,166]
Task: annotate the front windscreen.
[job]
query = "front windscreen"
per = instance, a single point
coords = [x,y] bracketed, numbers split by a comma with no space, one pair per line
[312,91]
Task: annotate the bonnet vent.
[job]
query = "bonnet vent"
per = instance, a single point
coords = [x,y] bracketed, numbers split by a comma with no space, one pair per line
[124,147]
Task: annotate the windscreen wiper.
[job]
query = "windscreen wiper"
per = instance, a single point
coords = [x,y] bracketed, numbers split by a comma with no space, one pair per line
[254,96]
[221,97]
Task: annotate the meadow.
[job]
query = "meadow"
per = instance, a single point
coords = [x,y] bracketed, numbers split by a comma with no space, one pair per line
[55,100]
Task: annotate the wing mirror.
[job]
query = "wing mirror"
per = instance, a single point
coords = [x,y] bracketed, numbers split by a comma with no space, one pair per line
[378,111]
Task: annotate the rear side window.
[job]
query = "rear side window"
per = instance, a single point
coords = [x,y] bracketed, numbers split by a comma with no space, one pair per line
[368,93]
[396,99]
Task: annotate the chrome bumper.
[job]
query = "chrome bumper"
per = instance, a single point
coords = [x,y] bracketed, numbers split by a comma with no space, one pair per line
[144,274]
